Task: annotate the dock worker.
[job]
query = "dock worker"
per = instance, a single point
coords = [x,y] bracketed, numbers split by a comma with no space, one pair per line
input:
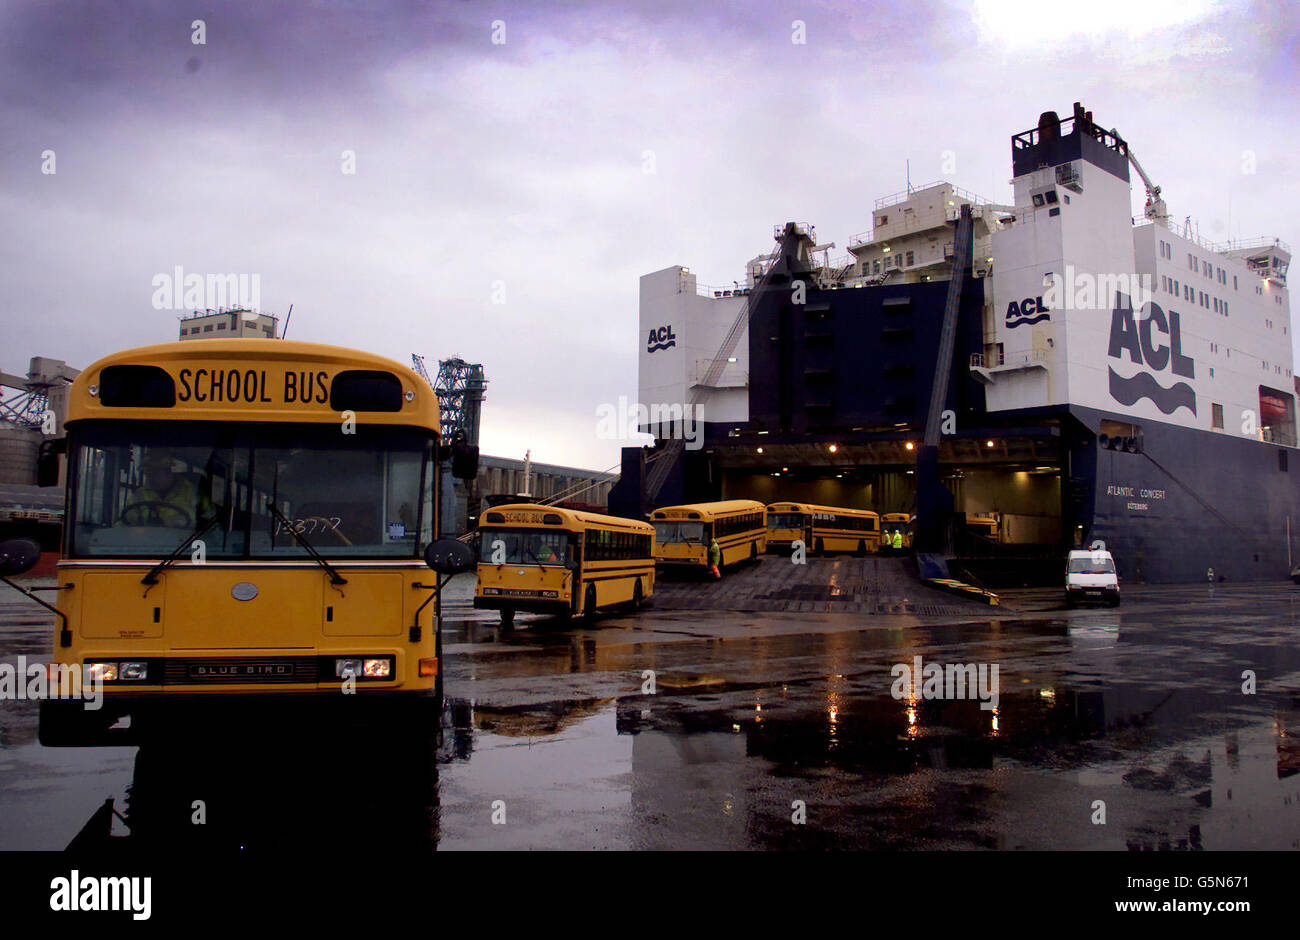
[165,497]
[715,558]
[898,540]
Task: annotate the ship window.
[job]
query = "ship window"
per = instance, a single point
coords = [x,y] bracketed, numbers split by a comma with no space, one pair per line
[1234,282]
[909,258]
[1216,417]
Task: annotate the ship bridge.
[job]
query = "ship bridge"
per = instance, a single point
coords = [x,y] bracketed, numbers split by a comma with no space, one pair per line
[1267,257]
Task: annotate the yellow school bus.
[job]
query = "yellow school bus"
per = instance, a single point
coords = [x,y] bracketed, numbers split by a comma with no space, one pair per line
[986,525]
[245,523]
[683,533]
[561,561]
[822,529]
[900,522]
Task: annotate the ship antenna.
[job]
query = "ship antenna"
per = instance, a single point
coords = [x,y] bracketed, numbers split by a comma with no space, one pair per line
[287,318]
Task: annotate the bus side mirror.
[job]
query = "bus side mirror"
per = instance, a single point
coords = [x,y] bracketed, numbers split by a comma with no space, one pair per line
[47,462]
[464,462]
[449,556]
[17,556]
[464,458]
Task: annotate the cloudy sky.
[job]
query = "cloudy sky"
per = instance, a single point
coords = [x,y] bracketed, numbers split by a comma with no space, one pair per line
[520,166]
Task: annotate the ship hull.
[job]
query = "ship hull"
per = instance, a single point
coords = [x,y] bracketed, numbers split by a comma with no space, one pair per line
[1191,506]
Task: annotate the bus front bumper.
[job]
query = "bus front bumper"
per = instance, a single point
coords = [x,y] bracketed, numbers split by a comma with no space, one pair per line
[526,602]
[132,718]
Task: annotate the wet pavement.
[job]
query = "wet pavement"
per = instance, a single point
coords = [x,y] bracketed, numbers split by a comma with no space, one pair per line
[757,718]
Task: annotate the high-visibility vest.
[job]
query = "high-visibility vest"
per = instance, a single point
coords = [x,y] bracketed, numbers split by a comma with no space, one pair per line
[898,539]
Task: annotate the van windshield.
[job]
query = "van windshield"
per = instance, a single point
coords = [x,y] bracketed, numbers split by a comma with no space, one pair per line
[1091,565]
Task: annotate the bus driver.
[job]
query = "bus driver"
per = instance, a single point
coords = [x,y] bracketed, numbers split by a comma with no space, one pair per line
[165,498]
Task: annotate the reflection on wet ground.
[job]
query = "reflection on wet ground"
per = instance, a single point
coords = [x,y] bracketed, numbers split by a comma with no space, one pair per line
[550,739]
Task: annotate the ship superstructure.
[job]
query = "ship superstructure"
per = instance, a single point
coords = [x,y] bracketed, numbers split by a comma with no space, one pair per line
[1113,378]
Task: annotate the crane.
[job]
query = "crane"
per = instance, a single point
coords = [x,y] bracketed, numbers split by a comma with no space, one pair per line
[1155,209]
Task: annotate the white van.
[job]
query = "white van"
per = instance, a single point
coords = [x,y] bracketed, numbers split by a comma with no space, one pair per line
[1090,578]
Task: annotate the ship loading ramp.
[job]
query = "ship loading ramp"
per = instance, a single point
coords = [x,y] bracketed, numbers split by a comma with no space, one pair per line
[846,585]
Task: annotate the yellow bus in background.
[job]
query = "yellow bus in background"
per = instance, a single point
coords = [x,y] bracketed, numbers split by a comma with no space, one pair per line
[822,529]
[549,560]
[986,525]
[245,522]
[683,533]
[901,522]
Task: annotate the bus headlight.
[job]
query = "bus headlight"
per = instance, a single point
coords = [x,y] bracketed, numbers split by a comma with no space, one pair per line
[100,672]
[134,670]
[371,667]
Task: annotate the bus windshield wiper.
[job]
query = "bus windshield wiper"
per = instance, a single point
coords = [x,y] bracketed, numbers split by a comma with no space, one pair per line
[536,559]
[152,577]
[335,577]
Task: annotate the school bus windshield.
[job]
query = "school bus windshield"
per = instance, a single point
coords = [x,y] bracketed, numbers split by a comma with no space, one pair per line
[523,547]
[140,488]
[785,520]
[679,532]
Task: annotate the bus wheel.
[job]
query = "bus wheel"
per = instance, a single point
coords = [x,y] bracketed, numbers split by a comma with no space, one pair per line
[589,605]
[507,617]
[862,549]
[753,551]
[637,599]
[819,548]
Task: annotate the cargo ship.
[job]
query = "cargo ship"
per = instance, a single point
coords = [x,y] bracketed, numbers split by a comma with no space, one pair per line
[1093,377]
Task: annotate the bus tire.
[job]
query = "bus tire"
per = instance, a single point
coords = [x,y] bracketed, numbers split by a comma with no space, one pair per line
[862,550]
[589,605]
[507,618]
[753,552]
[638,600]
[819,549]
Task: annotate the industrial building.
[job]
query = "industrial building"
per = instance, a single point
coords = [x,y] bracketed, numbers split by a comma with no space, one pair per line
[228,322]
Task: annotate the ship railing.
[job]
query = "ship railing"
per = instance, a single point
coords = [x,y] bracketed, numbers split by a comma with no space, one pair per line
[894,199]
[997,360]
[709,290]
[1238,244]
[732,376]
[1251,244]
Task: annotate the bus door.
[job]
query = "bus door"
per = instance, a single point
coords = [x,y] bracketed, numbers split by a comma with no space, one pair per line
[575,569]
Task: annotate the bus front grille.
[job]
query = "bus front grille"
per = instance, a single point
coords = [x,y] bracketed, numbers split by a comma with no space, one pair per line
[240,669]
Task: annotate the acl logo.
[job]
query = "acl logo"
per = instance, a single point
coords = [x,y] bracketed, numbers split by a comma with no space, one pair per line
[1023,312]
[661,338]
[1137,341]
